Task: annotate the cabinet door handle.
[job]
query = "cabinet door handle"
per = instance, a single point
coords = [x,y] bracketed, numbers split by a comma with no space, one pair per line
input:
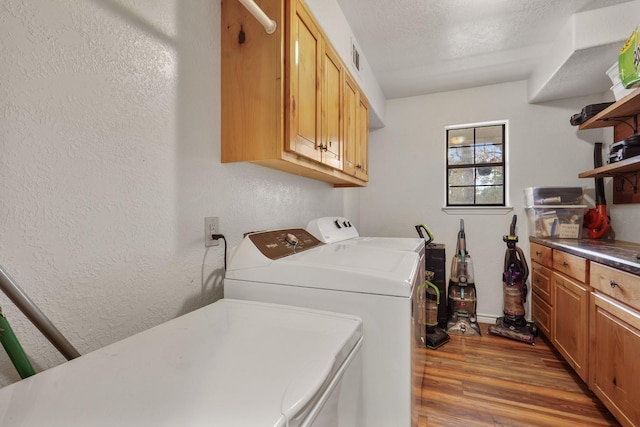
[613,283]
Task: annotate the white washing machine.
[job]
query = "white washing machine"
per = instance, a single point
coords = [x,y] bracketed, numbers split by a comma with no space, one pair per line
[339,229]
[231,364]
[292,267]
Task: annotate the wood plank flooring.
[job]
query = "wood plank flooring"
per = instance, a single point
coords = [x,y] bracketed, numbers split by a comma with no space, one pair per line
[494,381]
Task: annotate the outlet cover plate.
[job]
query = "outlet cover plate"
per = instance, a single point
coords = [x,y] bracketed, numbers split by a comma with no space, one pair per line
[211,227]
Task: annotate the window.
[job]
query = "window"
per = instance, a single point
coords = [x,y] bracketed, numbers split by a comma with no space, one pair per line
[476,165]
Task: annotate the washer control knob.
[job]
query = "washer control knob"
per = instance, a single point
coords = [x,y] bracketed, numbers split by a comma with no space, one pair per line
[337,223]
[291,239]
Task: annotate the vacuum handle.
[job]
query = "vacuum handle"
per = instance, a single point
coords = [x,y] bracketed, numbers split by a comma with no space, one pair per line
[419,229]
[428,284]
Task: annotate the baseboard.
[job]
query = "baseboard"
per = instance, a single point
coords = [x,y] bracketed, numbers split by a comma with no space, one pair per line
[483,318]
[486,318]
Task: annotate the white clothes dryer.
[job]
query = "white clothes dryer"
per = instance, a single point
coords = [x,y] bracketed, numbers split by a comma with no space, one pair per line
[231,364]
[292,267]
[340,230]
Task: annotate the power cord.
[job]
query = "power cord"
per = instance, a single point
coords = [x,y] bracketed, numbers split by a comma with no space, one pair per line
[218,237]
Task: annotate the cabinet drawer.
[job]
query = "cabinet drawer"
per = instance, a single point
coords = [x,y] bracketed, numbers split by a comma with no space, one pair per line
[624,287]
[541,254]
[541,282]
[542,315]
[571,265]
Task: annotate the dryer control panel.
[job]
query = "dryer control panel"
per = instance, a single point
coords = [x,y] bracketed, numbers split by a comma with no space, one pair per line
[281,243]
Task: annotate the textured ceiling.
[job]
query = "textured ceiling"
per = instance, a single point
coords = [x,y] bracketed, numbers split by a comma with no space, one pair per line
[424,46]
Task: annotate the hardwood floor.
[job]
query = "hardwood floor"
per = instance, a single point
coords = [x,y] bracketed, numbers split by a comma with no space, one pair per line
[494,381]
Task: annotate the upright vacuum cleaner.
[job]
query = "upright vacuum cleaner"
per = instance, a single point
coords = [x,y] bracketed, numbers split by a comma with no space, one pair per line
[514,287]
[429,300]
[462,291]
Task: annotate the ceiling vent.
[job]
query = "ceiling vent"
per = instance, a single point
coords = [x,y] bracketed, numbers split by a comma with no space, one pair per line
[355,55]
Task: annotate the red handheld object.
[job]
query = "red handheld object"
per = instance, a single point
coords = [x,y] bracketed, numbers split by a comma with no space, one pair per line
[597,221]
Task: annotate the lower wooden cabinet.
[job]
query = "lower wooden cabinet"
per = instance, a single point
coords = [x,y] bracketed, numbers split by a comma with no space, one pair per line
[614,333]
[560,303]
[615,348]
[571,322]
[591,314]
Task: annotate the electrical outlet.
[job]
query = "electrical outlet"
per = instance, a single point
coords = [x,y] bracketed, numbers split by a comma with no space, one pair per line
[211,227]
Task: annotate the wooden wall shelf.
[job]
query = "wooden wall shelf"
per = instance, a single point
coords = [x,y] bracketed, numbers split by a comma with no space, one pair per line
[613,169]
[627,107]
[623,117]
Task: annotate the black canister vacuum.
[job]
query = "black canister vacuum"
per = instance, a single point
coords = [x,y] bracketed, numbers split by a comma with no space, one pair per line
[429,299]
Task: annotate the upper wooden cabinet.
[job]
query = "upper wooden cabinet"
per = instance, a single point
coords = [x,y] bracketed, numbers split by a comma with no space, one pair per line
[283,95]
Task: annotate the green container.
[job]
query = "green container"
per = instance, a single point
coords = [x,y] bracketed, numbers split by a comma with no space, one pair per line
[14,349]
[629,61]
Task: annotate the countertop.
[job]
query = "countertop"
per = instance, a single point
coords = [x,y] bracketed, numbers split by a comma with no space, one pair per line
[618,254]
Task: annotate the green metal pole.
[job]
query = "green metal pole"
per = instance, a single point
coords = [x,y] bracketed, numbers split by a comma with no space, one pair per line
[14,349]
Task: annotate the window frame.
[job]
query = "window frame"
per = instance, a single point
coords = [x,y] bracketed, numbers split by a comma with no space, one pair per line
[504,206]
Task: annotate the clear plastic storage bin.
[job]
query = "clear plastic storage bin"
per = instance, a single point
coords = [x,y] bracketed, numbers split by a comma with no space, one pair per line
[563,221]
[534,196]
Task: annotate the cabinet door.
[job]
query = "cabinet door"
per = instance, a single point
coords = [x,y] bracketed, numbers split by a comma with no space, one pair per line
[570,323]
[350,112]
[332,87]
[362,138]
[356,130]
[614,374]
[304,86]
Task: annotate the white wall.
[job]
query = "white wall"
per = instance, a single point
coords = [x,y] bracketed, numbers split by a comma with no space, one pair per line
[109,161]
[407,171]
[335,26]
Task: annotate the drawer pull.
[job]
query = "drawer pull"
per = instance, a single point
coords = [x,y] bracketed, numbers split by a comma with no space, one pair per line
[565,264]
[613,283]
[538,253]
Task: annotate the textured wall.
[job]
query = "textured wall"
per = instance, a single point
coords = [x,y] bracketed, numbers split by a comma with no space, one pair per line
[109,161]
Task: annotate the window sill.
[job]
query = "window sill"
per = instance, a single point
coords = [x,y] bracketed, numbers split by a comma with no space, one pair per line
[477,210]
